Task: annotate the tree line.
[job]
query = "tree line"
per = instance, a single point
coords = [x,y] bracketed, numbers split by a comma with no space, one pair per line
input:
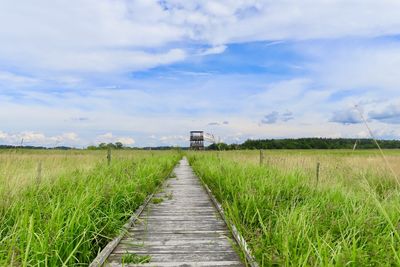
[308,143]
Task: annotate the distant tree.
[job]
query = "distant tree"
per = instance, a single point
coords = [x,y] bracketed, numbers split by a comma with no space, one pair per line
[119,145]
[103,146]
[317,143]
[111,145]
[218,146]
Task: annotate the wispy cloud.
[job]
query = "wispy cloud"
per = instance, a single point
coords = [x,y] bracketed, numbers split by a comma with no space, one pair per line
[348,116]
[38,138]
[270,118]
[110,138]
[389,114]
[276,116]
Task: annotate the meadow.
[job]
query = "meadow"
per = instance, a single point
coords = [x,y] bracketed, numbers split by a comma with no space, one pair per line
[61,207]
[347,216]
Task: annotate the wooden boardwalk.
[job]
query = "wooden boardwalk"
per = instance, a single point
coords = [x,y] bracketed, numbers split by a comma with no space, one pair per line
[185,229]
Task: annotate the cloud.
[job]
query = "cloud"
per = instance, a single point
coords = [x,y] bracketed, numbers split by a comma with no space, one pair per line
[275,117]
[213,50]
[360,65]
[38,138]
[174,140]
[287,116]
[270,118]
[126,140]
[214,123]
[105,136]
[390,114]
[110,138]
[195,62]
[120,35]
[348,116]
[8,78]
[80,119]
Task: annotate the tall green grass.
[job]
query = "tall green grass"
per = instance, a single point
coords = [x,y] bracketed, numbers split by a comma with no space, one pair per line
[66,219]
[288,220]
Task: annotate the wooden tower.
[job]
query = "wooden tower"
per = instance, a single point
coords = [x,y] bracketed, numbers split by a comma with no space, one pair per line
[197,140]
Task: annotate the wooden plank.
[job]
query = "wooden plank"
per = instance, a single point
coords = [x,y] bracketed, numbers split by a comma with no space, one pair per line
[176,257]
[103,255]
[184,229]
[183,263]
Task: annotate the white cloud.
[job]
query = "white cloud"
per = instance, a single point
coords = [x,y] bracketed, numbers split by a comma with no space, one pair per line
[3,135]
[213,50]
[364,65]
[8,78]
[346,116]
[48,46]
[38,138]
[125,140]
[110,138]
[105,136]
[133,35]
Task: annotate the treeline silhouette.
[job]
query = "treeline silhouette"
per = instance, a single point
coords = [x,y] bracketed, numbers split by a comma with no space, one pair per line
[309,143]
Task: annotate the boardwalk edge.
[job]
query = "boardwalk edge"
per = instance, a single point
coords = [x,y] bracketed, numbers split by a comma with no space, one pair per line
[106,251]
[236,234]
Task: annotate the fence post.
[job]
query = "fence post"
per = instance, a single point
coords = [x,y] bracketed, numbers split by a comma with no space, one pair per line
[109,155]
[318,167]
[39,173]
[261,157]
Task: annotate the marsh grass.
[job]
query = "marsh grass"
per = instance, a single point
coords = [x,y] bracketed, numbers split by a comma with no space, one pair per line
[77,208]
[351,218]
[128,258]
[157,200]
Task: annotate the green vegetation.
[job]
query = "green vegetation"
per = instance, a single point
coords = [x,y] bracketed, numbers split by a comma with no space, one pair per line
[350,217]
[169,196]
[117,145]
[135,259]
[157,200]
[63,206]
[308,143]
[66,211]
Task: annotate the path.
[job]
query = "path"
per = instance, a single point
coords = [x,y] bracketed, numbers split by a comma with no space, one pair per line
[185,229]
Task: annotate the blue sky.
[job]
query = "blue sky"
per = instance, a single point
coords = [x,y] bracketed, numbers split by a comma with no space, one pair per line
[147,72]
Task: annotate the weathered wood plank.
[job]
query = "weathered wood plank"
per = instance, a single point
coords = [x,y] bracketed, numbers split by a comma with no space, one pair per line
[183,264]
[184,229]
[176,257]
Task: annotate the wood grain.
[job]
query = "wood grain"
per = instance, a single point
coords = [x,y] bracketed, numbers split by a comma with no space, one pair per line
[185,229]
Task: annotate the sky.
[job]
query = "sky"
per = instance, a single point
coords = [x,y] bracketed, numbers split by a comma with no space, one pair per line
[146,72]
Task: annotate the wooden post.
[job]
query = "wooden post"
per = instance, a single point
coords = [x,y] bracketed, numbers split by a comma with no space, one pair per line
[261,157]
[318,167]
[39,173]
[109,155]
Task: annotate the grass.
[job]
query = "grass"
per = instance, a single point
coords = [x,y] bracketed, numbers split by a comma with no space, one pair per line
[169,196]
[65,213]
[135,259]
[76,207]
[350,218]
[157,200]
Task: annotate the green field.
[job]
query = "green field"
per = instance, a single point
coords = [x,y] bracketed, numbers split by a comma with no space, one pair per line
[64,211]
[348,217]
[62,207]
